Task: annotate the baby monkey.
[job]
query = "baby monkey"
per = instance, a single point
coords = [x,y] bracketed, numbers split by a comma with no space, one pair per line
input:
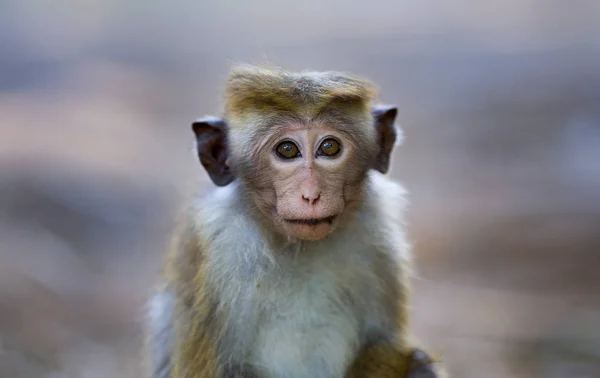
[296,265]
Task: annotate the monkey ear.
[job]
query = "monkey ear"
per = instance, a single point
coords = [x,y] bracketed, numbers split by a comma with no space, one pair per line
[213,149]
[385,118]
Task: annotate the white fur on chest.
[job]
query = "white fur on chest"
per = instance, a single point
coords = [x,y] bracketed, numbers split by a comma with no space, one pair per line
[302,314]
[310,325]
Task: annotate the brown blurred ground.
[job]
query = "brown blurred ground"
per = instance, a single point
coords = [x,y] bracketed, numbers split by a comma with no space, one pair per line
[500,104]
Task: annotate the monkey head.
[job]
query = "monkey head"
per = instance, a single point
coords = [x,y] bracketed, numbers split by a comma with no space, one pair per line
[300,145]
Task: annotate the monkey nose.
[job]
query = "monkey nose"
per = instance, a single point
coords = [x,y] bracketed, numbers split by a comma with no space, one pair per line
[311,197]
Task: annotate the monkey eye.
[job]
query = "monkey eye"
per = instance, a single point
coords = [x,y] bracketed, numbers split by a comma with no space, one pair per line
[329,147]
[287,150]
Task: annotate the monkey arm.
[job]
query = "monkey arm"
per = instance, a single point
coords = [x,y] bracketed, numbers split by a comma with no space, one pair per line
[182,329]
[194,352]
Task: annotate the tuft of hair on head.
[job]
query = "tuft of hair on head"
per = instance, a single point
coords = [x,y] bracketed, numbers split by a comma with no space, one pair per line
[252,89]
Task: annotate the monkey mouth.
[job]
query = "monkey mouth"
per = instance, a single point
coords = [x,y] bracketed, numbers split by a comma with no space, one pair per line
[312,221]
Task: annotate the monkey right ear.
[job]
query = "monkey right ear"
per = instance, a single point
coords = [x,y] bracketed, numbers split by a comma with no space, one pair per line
[213,149]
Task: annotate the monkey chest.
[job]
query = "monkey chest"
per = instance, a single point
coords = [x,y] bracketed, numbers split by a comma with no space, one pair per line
[303,318]
[312,330]
[306,344]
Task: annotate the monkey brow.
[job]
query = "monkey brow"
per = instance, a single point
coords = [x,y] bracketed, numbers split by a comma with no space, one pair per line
[277,121]
[351,125]
[267,135]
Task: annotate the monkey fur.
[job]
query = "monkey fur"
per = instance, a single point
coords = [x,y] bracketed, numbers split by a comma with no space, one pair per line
[254,285]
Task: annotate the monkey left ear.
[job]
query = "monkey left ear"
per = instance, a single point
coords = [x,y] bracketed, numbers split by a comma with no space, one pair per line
[385,117]
[213,150]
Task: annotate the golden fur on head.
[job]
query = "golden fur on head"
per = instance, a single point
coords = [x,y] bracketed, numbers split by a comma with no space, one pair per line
[254,88]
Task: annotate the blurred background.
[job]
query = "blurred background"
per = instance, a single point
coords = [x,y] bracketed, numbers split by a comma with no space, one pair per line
[499,101]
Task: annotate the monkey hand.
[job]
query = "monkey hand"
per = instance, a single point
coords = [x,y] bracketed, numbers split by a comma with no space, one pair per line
[391,361]
[421,365]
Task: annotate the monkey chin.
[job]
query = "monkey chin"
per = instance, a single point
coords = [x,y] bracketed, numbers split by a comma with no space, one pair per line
[309,229]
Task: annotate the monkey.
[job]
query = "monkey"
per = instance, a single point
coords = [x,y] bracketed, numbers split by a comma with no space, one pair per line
[296,263]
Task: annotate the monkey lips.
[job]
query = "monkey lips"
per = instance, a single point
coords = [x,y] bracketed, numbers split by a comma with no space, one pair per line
[311,228]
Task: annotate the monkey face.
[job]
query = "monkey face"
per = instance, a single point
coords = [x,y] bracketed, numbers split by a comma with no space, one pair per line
[303,177]
[309,169]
